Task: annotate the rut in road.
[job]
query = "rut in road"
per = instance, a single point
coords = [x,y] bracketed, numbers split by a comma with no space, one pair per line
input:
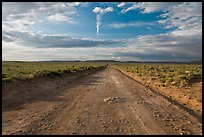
[82,110]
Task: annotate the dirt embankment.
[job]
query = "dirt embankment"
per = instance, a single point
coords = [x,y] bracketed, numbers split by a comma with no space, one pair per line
[103,102]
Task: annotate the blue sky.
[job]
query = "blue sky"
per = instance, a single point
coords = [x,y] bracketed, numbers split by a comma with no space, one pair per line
[144,31]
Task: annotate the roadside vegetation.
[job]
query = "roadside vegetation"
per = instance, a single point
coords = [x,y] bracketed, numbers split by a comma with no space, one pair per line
[181,82]
[180,75]
[28,70]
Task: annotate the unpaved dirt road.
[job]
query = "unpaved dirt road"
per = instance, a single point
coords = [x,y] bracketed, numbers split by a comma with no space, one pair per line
[80,109]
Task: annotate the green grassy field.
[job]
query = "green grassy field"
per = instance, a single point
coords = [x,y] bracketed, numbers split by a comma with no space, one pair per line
[167,74]
[27,70]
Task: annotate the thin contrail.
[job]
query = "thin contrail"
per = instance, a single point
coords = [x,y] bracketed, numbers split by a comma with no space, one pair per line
[100,12]
[98,23]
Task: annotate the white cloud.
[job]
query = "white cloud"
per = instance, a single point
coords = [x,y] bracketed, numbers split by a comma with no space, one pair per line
[148,7]
[20,15]
[186,10]
[183,43]
[60,18]
[188,32]
[100,12]
[131,24]
[122,4]
[134,6]
[179,9]
[22,9]
[185,17]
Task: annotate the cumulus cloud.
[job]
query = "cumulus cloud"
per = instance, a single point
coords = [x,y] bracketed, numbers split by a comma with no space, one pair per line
[20,15]
[100,12]
[182,43]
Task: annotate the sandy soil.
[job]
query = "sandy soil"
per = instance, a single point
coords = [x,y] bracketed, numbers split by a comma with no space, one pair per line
[104,102]
[189,97]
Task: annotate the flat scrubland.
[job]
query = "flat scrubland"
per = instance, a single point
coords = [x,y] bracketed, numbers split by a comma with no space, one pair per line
[27,70]
[181,82]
